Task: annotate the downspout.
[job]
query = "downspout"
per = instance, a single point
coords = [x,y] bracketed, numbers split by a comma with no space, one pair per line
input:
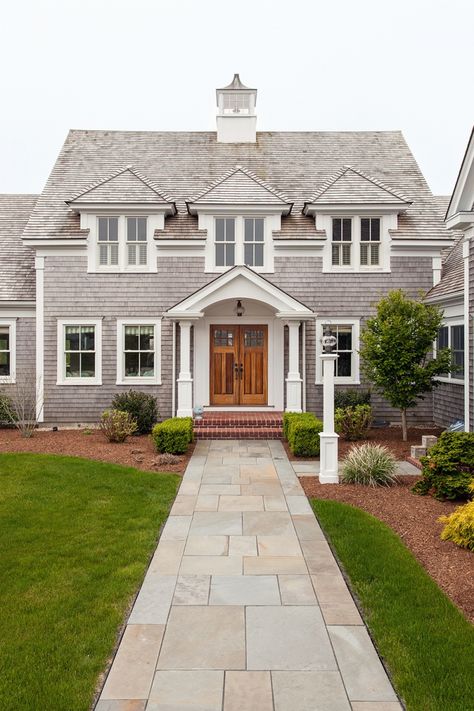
[467,330]
[303,365]
[173,372]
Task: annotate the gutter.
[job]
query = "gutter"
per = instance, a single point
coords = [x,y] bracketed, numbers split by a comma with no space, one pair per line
[467,330]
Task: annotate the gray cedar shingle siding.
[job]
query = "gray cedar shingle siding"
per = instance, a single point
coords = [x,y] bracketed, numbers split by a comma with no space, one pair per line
[448,404]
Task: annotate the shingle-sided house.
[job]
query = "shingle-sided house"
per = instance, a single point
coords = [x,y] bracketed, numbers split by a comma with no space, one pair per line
[202,266]
[454,398]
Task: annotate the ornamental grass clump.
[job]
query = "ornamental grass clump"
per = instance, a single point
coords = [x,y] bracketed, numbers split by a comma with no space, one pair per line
[369,464]
[117,425]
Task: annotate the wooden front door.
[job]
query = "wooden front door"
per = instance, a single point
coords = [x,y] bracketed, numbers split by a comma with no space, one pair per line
[239,365]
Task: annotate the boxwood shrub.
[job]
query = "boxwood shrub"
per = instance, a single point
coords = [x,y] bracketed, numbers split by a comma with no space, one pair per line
[289,417]
[173,435]
[303,434]
[448,468]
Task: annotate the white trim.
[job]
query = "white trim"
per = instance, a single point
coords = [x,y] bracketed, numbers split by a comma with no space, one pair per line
[467,332]
[17,310]
[387,223]
[365,209]
[142,321]
[10,323]
[449,320]
[39,271]
[61,361]
[339,321]
[463,193]
[207,222]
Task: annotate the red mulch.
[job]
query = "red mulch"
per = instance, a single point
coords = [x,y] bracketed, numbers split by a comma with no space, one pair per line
[414,518]
[135,452]
[390,437]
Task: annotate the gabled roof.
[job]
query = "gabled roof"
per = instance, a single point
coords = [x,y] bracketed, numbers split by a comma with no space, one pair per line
[125,185]
[452,273]
[17,269]
[240,186]
[462,200]
[351,186]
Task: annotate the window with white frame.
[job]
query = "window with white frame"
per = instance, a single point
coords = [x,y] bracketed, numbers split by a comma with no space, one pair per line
[7,351]
[79,352]
[346,332]
[107,241]
[138,351]
[122,243]
[452,336]
[136,241]
[254,239]
[225,241]
[341,241]
[370,241]
[236,103]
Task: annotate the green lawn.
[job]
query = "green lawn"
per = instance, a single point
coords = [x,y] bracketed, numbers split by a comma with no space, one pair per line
[426,642]
[75,539]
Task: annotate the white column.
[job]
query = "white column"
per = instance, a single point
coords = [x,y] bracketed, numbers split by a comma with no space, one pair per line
[39,267]
[293,380]
[185,381]
[328,438]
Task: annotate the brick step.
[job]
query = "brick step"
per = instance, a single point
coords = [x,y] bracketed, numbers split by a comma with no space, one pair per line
[240,419]
[237,423]
[241,432]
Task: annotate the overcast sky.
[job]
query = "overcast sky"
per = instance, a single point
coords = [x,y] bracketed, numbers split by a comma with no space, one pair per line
[317,65]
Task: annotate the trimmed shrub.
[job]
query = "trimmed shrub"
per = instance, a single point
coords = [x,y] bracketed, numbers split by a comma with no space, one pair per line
[369,464]
[289,417]
[448,468]
[117,425]
[303,435]
[353,422]
[141,406]
[459,526]
[6,409]
[173,435]
[351,398]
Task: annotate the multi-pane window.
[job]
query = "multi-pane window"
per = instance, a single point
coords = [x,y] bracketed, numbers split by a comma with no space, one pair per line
[341,241]
[236,103]
[5,352]
[344,349]
[225,241]
[139,351]
[136,241]
[80,351]
[370,241]
[253,241]
[453,337]
[108,241]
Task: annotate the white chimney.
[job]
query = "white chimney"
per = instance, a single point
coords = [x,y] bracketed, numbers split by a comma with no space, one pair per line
[236,119]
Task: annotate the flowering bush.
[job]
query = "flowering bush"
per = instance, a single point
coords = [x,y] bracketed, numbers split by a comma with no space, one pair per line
[117,425]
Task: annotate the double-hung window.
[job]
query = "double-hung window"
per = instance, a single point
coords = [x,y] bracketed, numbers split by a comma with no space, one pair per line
[225,242]
[341,242]
[108,241]
[453,337]
[7,351]
[138,351]
[254,239]
[370,241]
[136,241]
[346,366]
[79,352]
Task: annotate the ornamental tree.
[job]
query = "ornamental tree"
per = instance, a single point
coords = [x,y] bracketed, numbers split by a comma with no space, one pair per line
[397,351]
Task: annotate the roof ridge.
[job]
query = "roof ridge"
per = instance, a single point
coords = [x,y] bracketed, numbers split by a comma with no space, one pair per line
[345,169]
[131,169]
[240,169]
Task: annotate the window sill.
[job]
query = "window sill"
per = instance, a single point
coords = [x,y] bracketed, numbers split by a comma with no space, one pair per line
[453,381]
[79,381]
[340,381]
[139,381]
[7,380]
[222,270]
[359,270]
[128,270]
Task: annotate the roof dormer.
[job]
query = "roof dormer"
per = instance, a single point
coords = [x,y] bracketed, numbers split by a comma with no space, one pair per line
[236,119]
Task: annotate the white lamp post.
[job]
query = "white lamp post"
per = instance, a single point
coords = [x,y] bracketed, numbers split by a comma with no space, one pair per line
[328,438]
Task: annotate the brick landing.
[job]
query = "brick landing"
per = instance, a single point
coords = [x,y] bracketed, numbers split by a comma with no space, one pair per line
[239,425]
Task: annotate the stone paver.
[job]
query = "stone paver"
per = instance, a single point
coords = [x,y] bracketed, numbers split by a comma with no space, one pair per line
[243,606]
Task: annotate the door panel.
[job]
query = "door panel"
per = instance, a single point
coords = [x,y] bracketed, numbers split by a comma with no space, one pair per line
[253,356]
[224,359]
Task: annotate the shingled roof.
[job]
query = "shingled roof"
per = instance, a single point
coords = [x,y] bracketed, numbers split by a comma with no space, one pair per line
[126,185]
[452,274]
[239,186]
[17,281]
[352,186]
[295,164]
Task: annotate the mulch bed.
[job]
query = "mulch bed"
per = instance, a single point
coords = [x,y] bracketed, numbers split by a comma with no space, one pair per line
[414,518]
[135,452]
[390,437]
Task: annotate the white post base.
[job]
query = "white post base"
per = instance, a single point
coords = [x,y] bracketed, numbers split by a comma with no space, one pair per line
[185,397]
[328,458]
[293,393]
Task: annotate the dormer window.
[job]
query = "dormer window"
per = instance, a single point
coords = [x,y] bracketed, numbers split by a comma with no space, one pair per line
[225,241]
[341,241]
[254,241]
[136,241]
[108,241]
[240,240]
[122,243]
[370,241]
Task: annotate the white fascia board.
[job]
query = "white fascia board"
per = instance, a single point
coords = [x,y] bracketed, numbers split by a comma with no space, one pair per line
[464,187]
[199,242]
[297,244]
[180,315]
[354,208]
[455,296]
[292,316]
[112,208]
[419,248]
[239,209]
[70,242]
[460,221]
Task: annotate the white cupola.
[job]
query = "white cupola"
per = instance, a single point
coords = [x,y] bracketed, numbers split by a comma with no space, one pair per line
[236,119]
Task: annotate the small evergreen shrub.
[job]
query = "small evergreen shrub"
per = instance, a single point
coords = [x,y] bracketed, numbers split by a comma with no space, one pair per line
[369,464]
[173,435]
[303,435]
[351,398]
[6,409]
[459,526]
[289,417]
[141,406]
[448,468]
[117,425]
[353,422]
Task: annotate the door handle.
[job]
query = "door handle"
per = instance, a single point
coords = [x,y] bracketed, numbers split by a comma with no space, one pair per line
[236,371]
[241,370]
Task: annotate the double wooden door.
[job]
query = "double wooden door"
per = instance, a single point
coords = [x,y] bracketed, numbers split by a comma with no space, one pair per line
[239,365]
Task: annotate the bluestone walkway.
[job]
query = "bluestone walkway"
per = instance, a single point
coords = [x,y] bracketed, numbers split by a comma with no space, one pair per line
[243,607]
